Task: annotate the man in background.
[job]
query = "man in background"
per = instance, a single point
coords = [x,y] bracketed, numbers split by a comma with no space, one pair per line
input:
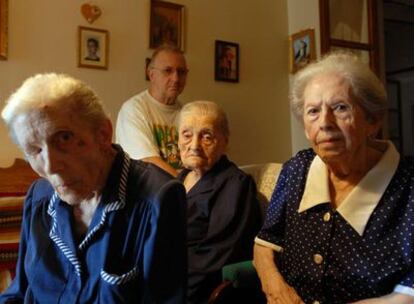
[146,122]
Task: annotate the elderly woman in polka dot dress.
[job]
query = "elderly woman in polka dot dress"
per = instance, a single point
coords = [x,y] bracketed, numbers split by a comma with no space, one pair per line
[339,228]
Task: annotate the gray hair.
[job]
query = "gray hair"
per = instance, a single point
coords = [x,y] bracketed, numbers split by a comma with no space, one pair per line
[168,48]
[54,90]
[367,89]
[206,108]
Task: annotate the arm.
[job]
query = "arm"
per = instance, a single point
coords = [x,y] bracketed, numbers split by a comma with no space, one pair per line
[166,249]
[392,298]
[158,161]
[273,285]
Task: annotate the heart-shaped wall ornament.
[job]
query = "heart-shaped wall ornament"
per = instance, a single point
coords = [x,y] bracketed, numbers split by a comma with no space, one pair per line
[90,12]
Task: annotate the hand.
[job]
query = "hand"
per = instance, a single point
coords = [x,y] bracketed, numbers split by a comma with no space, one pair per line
[277,291]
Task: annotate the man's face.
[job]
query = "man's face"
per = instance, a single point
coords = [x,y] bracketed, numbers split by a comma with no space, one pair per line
[65,150]
[168,75]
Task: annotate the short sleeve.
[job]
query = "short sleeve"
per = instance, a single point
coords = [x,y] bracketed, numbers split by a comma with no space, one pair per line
[134,133]
[272,233]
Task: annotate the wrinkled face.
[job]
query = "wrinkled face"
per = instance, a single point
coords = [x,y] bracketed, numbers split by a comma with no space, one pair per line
[335,124]
[168,76]
[200,141]
[65,151]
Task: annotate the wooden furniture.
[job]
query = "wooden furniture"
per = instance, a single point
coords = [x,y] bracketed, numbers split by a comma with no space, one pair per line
[14,183]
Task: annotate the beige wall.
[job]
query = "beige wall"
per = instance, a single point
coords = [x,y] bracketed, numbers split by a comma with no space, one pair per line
[43,37]
[302,14]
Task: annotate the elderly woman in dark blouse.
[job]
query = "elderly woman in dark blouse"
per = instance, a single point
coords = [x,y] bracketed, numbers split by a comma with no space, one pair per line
[223,214]
[339,228]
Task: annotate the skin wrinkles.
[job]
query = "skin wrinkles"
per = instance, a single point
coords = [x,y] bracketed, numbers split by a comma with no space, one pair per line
[65,151]
[200,141]
[336,125]
[163,87]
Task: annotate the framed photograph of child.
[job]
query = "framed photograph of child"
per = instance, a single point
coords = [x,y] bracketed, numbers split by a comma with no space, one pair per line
[93,48]
[302,49]
[226,67]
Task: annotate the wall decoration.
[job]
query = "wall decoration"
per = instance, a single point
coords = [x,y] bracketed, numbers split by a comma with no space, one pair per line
[90,12]
[226,61]
[166,24]
[4,5]
[93,48]
[302,49]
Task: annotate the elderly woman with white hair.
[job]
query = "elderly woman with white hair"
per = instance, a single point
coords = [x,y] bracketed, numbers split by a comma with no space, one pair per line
[339,228]
[98,227]
[223,214]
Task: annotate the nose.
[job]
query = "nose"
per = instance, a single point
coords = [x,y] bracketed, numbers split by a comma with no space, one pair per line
[195,143]
[53,162]
[175,76]
[327,118]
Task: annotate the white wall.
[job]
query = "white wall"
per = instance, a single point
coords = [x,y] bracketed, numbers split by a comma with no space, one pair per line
[302,14]
[43,37]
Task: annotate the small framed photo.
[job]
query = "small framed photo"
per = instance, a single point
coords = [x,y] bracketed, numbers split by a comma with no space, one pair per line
[302,49]
[93,48]
[166,24]
[4,4]
[226,67]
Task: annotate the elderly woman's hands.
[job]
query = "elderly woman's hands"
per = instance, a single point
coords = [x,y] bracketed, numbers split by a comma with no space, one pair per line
[276,289]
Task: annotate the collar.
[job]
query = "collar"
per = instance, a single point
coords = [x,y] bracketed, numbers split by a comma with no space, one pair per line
[358,206]
[208,181]
[174,107]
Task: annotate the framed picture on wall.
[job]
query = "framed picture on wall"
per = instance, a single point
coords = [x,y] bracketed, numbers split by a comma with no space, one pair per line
[3,29]
[226,67]
[93,48]
[166,24]
[302,49]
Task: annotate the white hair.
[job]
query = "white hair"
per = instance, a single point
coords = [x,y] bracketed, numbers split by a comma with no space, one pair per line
[367,89]
[54,90]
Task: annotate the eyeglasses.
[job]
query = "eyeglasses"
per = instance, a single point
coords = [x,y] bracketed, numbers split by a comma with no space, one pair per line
[340,110]
[168,71]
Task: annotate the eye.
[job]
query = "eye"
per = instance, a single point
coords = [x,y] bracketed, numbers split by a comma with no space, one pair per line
[63,138]
[312,111]
[342,107]
[186,135]
[207,137]
[32,151]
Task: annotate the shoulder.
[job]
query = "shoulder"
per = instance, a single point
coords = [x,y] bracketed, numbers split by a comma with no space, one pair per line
[149,180]
[300,162]
[41,189]
[135,101]
[230,172]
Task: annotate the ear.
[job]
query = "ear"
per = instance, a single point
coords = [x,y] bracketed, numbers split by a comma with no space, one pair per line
[104,134]
[150,73]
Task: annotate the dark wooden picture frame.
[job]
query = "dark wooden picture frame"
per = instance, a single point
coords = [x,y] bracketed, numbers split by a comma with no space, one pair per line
[93,48]
[302,49]
[226,67]
[166,24]
[4,12]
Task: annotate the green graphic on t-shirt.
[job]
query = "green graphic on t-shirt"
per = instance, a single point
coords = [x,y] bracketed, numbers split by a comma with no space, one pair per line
[167,138]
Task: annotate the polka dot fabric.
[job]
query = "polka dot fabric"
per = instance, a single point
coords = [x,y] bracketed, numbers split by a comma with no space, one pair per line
[323,257]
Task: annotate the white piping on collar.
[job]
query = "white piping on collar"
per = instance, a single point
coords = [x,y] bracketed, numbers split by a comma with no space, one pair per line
[119,204]
[358,206]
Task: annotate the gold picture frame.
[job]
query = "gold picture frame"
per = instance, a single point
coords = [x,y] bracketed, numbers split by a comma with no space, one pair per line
[93,48]
[302,49]
[166,24]
[4,12]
